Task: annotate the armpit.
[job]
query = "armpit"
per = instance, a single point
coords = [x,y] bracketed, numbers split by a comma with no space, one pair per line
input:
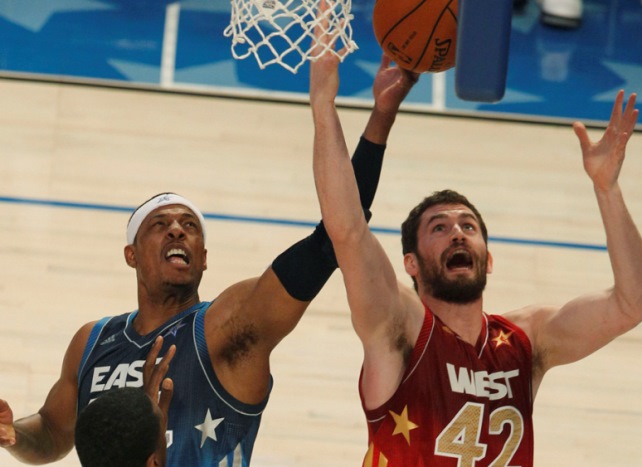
[239,344]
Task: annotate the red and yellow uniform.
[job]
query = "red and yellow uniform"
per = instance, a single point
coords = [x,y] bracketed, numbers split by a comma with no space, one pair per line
[458,405]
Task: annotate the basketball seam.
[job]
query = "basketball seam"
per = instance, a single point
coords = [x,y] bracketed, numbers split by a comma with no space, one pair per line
[433,32]
[394,26]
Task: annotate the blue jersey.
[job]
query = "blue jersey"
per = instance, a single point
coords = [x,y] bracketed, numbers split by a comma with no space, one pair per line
[206,425]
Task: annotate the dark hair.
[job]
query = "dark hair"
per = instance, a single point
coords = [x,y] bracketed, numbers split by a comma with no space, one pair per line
[411,224]
[119,428]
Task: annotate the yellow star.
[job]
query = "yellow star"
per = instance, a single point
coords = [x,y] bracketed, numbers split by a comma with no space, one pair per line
[369,460]
[502,339]
[403,425]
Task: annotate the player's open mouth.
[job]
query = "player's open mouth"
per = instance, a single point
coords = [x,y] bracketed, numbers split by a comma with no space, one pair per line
[460,259]
[177,256]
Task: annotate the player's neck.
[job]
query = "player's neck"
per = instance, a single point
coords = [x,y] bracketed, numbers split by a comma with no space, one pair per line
[464,320]
[154,311]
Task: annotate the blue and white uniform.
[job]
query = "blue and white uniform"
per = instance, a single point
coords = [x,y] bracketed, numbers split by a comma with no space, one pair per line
[206,425]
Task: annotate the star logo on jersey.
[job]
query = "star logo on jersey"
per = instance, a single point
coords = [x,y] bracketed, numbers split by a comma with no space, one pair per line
[402,424]
[502,338]
[208,427]
[371,458]
[174,329]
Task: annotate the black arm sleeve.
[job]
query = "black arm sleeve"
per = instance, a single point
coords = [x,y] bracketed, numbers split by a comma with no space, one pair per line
[306,266]
[367,162]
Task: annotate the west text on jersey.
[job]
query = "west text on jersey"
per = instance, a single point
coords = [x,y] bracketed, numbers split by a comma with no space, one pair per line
[494,386]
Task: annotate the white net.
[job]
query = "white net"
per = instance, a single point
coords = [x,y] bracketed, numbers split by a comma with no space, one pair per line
[282,32]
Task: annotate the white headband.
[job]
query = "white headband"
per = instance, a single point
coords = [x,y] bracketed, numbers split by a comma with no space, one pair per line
[164,199]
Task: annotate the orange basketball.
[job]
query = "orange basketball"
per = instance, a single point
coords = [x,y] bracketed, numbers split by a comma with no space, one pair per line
[419,35]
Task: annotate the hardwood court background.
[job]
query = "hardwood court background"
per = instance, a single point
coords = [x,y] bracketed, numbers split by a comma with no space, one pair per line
[63,267]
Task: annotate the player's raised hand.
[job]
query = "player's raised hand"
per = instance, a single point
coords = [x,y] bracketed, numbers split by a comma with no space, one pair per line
[391,85]
[7,432]
[154,375]
[324,64]
[603,159]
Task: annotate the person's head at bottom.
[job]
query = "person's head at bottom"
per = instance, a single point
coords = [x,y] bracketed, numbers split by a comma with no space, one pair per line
[122,427]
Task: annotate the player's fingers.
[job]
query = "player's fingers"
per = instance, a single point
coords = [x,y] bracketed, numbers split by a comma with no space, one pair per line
[323,16]
[410,76]
[630,103]
[321,39]
[582,135]
[7,436]
[152,355]
[151,378]
[4,405]
[159,371]
[385,62]
[631,114]
[6,414]
[617,108]
[167,391]
[7,442]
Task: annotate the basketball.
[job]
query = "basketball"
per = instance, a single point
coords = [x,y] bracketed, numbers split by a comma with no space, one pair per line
[418,35]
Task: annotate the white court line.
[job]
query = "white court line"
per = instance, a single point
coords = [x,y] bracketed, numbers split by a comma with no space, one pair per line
[439,91]
[170,36]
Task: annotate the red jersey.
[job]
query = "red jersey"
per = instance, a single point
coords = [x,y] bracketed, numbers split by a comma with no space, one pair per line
[458,405]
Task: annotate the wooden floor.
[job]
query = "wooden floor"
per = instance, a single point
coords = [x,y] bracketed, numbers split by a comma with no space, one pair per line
[64,266]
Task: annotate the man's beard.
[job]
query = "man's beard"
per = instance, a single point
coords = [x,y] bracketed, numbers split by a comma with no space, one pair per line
[461,290]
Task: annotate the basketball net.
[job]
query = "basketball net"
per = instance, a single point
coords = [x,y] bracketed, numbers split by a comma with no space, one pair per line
[282,32]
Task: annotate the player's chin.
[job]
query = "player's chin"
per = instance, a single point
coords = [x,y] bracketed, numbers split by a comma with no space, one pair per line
[180,276]
[176,285]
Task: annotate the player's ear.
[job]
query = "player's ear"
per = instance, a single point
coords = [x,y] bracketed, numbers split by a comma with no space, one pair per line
[410,263]
[130,256]
[153,461]
[489,263]
[204,260]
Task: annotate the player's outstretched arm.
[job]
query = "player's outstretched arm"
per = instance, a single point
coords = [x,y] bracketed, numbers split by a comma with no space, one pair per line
[369,277]
[48,435]
[383,312]
[588,323]
[603,161]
